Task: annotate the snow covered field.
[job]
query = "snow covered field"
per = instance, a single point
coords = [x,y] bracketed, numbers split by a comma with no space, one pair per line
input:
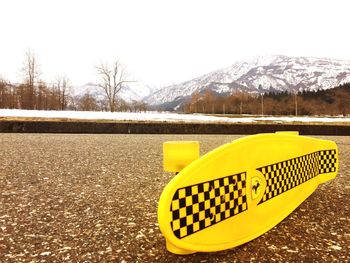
[161,117]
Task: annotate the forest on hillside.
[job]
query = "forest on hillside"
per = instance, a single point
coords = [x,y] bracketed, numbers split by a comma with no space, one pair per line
[334,102]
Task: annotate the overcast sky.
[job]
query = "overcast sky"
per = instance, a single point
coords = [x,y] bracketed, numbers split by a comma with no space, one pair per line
[163,42]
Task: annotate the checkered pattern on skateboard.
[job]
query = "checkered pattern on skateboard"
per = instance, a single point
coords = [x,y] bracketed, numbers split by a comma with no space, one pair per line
[199,206]
[327,161]
[283,176]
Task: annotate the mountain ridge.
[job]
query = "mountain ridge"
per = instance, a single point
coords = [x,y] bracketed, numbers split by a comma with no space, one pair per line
[259,75]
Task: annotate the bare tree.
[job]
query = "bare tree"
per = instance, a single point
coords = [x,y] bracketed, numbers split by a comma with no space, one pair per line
[62,87]
[242,99]
[4,93]
[261,93]
[87,103]
[30,71]
[111,81]
[137,106]
[296,102]
[42,96]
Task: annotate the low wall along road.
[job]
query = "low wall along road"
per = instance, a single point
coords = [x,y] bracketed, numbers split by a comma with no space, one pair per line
[167,127]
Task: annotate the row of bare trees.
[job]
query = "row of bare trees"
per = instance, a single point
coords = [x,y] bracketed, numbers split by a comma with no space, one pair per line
[57,97]
[209,103]
[324,102]
[34,93]
[87,102]
[39,97]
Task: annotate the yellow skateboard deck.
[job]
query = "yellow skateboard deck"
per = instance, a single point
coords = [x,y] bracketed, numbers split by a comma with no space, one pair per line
[240,190]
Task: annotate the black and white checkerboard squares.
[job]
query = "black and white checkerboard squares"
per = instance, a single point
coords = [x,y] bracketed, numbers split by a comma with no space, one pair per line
[197,207]
[327,161]
[283,176]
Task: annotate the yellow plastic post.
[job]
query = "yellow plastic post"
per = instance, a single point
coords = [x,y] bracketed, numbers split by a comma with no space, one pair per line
[178,154]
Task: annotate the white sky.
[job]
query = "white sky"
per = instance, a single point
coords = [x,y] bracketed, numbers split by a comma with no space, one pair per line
[163,42]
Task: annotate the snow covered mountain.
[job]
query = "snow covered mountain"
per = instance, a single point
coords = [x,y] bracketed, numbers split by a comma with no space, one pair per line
[128,93]
[261,74]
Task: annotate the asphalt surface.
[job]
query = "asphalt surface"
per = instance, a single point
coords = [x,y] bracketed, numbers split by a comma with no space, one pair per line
[93,198]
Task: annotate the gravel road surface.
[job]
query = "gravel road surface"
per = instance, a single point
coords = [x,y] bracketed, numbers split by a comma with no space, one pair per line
[93,198]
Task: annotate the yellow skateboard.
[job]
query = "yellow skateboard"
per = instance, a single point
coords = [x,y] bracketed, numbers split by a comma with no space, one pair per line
[240,190]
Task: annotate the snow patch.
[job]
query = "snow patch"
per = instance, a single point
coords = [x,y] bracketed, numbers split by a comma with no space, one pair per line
[161,117]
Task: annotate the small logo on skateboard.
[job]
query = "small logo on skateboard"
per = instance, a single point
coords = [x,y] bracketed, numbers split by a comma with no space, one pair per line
[256,187]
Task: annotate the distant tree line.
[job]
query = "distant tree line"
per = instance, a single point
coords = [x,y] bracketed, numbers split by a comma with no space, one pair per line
[43,96]
[38,96]
[35,94]
[333,102]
